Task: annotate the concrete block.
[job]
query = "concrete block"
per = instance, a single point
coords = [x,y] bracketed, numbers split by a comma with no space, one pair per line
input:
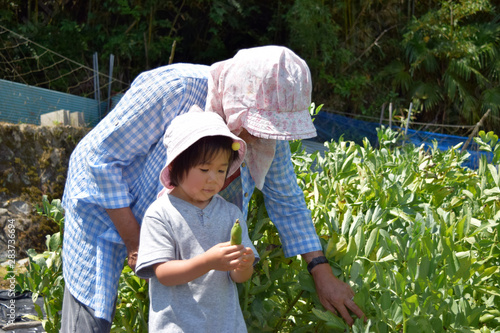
[60,117]
[77,119]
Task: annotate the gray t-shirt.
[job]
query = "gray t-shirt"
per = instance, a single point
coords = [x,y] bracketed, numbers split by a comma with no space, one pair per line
[173,229]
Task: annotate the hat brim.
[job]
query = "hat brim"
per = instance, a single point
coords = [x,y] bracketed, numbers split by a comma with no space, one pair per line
[280,125]
[165,172]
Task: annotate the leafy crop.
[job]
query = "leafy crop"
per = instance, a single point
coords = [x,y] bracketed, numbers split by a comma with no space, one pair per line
[132,306]
[43,276]
[412,231]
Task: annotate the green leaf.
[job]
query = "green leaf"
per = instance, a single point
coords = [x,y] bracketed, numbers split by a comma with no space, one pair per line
[347,221]
[400,283]
[359,238]
[419,323]
[371,243]
[356,270]
[423,268]
[494,174]
[38,310]
[54,242]
[333,321]
[336,247]
[316,192]
[385,301]
[399,213]
[350,254]
[306,282]
[358,221]
[410,304]
[464,262]
[488,272]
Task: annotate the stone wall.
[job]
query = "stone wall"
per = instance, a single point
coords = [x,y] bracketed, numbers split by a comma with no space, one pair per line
[33,162]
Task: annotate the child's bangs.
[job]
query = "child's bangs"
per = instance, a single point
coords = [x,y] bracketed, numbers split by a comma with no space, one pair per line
[209,149]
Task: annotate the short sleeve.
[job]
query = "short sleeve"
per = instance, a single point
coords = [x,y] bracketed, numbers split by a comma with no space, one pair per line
[156,243]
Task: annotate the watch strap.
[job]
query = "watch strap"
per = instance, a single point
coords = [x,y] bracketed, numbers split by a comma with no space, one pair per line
[316,261]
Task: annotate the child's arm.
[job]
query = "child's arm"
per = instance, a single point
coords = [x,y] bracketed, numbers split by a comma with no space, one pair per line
[221,257]
[245,269]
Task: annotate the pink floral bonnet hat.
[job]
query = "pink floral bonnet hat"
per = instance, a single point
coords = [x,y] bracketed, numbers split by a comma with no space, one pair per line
[266,90]
[187,128]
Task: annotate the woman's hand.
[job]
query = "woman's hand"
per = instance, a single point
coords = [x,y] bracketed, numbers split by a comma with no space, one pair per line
[335,295]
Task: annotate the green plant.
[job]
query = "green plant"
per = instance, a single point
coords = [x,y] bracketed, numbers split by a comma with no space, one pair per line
[132,306]
[413,232]
[43,276]
[489,142]
[313,110]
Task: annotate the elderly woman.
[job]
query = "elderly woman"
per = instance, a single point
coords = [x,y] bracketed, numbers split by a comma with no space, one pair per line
[263,94]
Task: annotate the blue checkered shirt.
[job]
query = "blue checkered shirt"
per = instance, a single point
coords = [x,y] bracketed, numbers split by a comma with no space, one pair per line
[118,165]
[284,202]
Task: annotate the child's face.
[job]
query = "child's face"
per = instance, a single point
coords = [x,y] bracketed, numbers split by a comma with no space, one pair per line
[203,181]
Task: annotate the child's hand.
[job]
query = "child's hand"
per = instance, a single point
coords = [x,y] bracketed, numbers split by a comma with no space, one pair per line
[246,260]
[244,269]
[225,257]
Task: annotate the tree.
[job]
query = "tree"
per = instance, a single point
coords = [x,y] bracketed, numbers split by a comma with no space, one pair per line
[452,62]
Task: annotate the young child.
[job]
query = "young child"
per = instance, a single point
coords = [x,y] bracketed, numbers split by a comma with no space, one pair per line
[185,247]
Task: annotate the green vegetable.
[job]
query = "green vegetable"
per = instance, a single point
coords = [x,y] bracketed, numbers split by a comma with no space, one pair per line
[236,233]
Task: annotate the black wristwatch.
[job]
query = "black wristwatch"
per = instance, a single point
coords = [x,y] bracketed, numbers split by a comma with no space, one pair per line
[316,261]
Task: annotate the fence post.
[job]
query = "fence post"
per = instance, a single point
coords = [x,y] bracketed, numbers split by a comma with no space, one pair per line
[111,64]
[97,94]
[408,120]
[382,113]
[390,115]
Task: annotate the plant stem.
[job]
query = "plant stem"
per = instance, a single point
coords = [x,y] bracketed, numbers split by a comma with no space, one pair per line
[289,308]
[494,242]
[245,302]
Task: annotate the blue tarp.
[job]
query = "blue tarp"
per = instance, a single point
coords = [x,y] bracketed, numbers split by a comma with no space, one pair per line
[331,126]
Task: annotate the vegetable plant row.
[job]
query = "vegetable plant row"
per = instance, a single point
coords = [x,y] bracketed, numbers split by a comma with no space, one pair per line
[413,232]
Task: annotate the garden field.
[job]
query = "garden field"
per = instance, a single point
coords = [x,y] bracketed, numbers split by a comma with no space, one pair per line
[413,232]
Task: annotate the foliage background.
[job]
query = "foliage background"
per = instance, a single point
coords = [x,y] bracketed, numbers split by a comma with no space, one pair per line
[440,55]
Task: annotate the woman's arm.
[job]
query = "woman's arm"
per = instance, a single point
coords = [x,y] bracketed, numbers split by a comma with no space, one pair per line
[286,206]
[129,230]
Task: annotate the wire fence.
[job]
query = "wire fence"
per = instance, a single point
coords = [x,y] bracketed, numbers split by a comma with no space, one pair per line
[28,63]
[331,125]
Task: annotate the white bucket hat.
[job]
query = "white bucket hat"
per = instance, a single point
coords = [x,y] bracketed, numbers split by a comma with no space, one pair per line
[188,128]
